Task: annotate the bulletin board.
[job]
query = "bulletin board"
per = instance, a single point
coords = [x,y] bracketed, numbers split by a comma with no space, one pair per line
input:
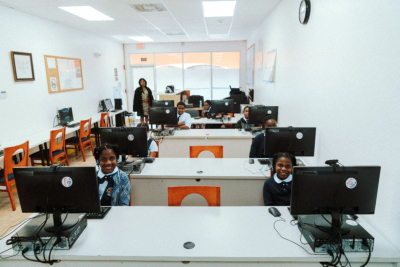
[63,74]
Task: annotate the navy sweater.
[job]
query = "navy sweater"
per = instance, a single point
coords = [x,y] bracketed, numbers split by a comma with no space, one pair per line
[257,147]
[275,194]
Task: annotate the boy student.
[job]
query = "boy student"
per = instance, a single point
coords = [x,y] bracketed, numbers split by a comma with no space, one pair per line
[152,147]
[183,120]
[257,147]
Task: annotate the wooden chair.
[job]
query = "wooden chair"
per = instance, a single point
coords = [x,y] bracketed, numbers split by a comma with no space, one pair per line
[83,139]
[104,119]
[158,145]
[8,176]
[218,151]
[56,150]
[211,193]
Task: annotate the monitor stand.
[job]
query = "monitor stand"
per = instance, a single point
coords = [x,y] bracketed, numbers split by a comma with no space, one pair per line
[58,225]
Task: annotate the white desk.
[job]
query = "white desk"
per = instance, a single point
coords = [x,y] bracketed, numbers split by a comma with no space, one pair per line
[233,120]
[223,236]
[241,183]
[236,143]
[43,137]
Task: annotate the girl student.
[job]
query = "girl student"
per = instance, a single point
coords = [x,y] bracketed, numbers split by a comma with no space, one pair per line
[114,185]
[277,189]
[244,119]
[206,111]
[142,100]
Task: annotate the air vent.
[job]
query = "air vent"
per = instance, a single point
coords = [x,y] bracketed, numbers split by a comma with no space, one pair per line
[158,7]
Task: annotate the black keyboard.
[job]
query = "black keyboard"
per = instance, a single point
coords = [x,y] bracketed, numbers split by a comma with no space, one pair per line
[264,161]
[73,125]
[1,153]
[115,110]
[99,215]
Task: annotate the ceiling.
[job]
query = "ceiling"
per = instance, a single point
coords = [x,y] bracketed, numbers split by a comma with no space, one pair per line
[182,21]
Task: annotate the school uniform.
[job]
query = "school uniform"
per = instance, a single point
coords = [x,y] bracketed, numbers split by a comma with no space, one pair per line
[257,146]
[114,188]
[242,120]
[277,192]
[207,112]
[186,118]
[151,146]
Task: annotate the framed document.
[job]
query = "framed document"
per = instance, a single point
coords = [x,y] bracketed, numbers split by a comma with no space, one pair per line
[22,66]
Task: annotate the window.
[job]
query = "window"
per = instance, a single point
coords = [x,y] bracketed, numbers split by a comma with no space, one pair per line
[225,73]
[169,71]
[197,73]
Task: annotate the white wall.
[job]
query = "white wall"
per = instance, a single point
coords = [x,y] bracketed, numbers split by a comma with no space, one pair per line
[29,107]
[187,47]
[340,73]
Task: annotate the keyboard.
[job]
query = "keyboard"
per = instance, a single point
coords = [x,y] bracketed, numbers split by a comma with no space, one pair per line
[264,161]
[71,125]
[99,215]
[1,153]
[115,110]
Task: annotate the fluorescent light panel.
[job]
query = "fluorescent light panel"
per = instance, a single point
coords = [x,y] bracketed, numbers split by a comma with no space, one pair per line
[86,12]
[142,38]
[219,8]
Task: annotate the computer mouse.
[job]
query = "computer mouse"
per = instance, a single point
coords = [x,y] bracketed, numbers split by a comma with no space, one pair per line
[251,161]
[274,211]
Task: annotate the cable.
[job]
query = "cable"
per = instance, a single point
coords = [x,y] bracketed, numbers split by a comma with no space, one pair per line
[365,243]
[20,224]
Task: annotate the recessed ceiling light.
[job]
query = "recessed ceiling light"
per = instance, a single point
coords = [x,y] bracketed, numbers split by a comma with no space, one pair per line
[142,38]
[86,12]
[219,8]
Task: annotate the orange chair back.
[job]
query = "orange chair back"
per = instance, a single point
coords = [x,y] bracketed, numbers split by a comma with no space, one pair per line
[82,132]
[211,193]
[60,146]
[218,151]
[104,119]
[158,145]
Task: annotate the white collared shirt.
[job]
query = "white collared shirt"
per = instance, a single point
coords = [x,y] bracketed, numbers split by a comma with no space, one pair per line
[100,174]
[278,181]
[152,148]
[186,118]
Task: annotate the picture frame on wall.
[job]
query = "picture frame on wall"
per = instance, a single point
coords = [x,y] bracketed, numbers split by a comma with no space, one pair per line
[22,66]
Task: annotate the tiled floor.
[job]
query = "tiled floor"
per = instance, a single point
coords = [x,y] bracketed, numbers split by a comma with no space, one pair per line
[10,218]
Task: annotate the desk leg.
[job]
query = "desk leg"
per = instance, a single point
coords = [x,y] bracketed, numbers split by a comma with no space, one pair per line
[41,154]
[47,154]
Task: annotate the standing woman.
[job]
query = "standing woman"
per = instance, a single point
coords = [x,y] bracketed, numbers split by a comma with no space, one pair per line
[142,100]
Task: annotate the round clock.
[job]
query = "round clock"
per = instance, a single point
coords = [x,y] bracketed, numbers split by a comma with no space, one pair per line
[304,11]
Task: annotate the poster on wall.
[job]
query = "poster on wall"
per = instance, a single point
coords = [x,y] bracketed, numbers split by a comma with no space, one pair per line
[269,68]
[259,55]
[250,65]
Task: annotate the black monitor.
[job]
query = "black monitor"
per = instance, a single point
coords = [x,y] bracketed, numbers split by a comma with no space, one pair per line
[131,141]
[258,113]
[108,104]
[163,116]
[299,141]
[334,190]
[224,106]
[58,190]
[65,116]
[251,95]
[163,103]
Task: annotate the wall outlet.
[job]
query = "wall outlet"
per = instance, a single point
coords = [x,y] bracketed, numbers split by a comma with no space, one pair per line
[3,94]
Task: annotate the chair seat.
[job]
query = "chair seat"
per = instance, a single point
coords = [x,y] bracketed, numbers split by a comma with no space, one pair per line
[46,152]
[75,140]
[10,177]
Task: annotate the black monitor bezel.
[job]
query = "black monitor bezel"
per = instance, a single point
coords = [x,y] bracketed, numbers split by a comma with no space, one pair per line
[256,116]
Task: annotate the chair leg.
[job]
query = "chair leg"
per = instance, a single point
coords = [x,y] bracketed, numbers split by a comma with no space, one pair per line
[76,150]
[10,194]
[91,146]
[66,158]
[83,153]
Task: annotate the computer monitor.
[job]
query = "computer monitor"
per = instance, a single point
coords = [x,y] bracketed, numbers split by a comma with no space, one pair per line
[258,113]
[57,190]
[108,103]
[335,191]
[163,116]
[131,141]
[299,141]
[65,116]
[224,106]
[251,95]
[163,103]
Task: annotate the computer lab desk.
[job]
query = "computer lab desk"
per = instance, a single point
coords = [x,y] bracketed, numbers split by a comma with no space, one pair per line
[222,236]
[236,144]
[241,183]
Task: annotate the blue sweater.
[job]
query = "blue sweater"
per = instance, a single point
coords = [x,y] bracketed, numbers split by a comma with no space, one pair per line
[277,194]
[257,147]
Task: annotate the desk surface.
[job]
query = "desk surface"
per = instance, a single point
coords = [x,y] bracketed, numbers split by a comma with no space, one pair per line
[210,168]
[214,121]
[220,234]
[211,134]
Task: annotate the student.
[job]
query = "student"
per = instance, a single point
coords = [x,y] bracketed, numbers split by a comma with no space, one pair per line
[152,147]
[184,119]
[205,112]
[244,119]
[257,147]
[277,189]
[114,185]
[142,100]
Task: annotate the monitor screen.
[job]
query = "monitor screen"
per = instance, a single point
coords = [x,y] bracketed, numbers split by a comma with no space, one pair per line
[163,115]
[65,116]
[162,103]
[222,106]
[58,190]
[350,190]
[131,140]
[258,113]
[299,141]
[108,103]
